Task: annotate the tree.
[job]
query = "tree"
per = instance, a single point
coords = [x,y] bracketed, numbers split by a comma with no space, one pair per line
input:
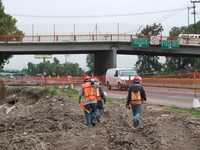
[4,59]
[151,30]
[90,62]
[174,64]
[149,64]
[53,69]
[178,64]
[175,31]
[7,27]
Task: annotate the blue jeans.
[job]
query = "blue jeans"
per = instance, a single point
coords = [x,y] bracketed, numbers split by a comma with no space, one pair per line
[90,117]
[136,110]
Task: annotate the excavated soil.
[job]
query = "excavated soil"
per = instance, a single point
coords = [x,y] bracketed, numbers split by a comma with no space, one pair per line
[30,120]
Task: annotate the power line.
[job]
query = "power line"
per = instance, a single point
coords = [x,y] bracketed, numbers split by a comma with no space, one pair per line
[102,16]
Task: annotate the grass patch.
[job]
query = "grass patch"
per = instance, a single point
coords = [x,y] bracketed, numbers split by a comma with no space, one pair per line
[56,91]
[71,93]
[193,112]
[111,101]
[53,91]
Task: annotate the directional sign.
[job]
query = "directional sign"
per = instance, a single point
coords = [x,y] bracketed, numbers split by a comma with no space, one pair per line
[170,44]
[140,43]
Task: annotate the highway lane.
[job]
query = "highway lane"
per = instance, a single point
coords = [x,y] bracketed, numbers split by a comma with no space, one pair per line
[182,98]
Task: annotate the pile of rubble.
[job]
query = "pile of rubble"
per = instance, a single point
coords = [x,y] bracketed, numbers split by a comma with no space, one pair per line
[29,119]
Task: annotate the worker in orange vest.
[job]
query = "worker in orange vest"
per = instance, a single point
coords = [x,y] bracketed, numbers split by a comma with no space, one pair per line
[136,97]
[88,101]
[101,98]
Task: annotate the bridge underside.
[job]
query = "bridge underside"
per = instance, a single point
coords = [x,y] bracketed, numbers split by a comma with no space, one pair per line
[103,61]
[94,47]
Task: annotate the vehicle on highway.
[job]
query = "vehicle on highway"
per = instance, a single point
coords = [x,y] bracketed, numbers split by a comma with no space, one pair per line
[119,77]
[182,39]
[189,39]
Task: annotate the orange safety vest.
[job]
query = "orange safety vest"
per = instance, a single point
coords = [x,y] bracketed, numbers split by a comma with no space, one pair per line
[89,92]
[136,98]
[99,98]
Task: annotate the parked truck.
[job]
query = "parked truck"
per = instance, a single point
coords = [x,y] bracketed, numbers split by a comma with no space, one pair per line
[119,77]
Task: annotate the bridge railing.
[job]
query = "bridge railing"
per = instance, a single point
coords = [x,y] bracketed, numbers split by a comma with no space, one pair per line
[69,38]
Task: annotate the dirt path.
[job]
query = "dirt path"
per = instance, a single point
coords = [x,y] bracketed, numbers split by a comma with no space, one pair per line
[40,122]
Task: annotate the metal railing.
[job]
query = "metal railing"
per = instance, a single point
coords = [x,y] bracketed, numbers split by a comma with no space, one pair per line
[69,38]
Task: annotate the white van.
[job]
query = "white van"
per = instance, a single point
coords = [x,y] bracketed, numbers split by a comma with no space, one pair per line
[119,77]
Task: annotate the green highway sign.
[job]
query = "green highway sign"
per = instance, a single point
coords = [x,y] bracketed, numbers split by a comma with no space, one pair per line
[140,43]
[170,44]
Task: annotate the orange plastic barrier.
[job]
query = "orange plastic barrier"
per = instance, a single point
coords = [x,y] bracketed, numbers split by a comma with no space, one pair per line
[147,81]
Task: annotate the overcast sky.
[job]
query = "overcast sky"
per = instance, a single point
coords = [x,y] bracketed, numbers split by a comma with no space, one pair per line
[64,25]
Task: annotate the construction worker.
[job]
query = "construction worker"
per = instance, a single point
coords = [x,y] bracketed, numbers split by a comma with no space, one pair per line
[88,104]
[101,99]
[136,97]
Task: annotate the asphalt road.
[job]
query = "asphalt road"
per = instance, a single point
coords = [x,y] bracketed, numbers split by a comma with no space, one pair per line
[182,98]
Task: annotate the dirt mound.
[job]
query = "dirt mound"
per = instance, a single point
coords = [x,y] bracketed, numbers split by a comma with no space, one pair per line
[39,122]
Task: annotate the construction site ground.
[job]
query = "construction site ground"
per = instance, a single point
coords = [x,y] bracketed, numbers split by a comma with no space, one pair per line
[42,119]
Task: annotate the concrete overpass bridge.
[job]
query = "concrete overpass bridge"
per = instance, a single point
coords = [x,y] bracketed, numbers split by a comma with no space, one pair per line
[105,47]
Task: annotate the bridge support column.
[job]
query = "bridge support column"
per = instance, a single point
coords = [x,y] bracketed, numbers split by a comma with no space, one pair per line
[103,61]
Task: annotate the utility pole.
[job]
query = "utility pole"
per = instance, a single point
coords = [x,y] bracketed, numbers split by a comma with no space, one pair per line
[194,9]
[96,29]
[118,30]
[188,13]
[33,32]
[74,32]
[54,32]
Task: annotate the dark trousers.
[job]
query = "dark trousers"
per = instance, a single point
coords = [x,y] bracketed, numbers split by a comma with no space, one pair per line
[100,109]
[90,114]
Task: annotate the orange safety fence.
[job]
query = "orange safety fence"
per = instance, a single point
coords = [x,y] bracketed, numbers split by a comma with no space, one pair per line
[77,80]
[32,80]
[172,82]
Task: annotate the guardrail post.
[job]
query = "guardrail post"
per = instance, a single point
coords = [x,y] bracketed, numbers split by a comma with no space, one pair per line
[92,37]
[111,37]
[74,37]
[38,38]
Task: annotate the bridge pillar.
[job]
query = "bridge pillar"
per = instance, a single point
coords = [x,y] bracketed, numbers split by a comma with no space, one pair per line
[103,61]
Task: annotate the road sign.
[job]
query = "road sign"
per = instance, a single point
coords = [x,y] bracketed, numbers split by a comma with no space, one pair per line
[155,40]
[170,44]
[140,43]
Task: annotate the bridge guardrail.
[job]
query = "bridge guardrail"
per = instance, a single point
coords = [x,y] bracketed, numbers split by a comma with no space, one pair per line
[68,38]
